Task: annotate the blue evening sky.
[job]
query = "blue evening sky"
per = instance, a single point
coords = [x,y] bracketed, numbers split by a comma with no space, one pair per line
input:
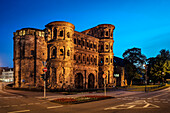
[139,23]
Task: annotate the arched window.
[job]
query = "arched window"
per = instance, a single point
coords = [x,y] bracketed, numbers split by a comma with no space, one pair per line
[61,33]
[54,33]
[107,33]
[54,52]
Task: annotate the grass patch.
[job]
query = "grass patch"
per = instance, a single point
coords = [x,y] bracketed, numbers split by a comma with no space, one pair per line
[149,88]
[81,99]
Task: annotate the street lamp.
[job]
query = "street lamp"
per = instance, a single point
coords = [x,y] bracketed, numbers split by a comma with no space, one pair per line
[145,75]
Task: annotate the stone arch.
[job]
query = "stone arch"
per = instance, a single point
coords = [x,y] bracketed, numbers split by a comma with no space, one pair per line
[91,81]
[79,81]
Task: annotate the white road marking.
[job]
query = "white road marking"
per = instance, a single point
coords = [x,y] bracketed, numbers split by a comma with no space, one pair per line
[19,111]
[139,104]
[54,107]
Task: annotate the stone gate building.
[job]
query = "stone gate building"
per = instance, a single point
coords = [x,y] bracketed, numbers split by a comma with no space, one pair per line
[74,59]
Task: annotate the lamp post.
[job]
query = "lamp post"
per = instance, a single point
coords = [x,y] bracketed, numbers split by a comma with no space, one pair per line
[145,76]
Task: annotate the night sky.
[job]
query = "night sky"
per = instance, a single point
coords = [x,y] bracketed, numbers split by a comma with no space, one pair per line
[143,24]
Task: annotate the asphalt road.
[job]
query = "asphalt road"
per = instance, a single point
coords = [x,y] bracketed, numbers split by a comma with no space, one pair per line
[152,102]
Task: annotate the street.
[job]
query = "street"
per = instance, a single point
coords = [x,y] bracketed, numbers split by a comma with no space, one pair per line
[133,102]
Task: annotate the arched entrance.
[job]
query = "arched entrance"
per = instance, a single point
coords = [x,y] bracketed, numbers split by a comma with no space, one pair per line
[79,81]
[100,79]
[91,81]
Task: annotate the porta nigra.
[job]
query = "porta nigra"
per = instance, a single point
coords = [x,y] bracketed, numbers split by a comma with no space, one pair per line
[75,60]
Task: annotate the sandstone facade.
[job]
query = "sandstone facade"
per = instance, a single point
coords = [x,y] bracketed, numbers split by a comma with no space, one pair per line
[74,59]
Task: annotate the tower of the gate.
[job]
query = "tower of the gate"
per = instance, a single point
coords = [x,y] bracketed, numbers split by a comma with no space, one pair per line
[105,34]
[59,38]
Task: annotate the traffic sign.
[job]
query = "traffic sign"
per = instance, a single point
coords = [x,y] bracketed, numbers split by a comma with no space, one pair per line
[104,75]
[45,69]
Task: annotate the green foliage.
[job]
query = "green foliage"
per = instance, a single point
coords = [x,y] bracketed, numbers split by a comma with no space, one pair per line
[159,66]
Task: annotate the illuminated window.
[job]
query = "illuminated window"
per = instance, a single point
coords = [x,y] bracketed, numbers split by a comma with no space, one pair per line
[61,52]
[20,33]
[61,33]
[39,33]
[42,34]
[101,60]
[23,32]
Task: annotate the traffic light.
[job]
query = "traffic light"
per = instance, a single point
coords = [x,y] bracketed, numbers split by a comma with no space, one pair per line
[43,76]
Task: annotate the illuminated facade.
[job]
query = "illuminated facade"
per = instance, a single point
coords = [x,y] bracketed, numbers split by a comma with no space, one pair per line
[74,59]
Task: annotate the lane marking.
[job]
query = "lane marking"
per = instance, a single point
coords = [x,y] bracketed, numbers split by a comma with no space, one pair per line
[139,104]
[19,111]
[159,95]
[54,107]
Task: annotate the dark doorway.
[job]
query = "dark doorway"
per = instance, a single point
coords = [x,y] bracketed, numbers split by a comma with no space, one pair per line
[79,81]
[91,81]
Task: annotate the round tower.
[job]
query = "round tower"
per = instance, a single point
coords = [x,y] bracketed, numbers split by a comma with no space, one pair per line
[59,38]
[106,53]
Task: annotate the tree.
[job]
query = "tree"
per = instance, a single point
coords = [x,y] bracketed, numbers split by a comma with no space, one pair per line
[134,61]
[159,66]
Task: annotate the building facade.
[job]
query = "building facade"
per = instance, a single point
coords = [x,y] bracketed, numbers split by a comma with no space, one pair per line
[74,59]
[7,75]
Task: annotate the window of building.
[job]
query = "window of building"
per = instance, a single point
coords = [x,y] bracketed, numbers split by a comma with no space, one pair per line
[95,46]
[68,53]
[61,33]
[74,57]
[54,33]
[107,60]
[102,48]
[83,58]
[79,57]
[101,60]
[32,52]
[87,59]
[74,41]
[87,44]
[68,34]
[83,43]
[107,46]
[54,53]
[91,45]
[107,33]
[102,33]
[78,41]
[61,52]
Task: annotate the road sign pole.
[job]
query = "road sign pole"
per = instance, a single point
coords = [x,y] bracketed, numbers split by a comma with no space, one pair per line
[105,86]
[45,86]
